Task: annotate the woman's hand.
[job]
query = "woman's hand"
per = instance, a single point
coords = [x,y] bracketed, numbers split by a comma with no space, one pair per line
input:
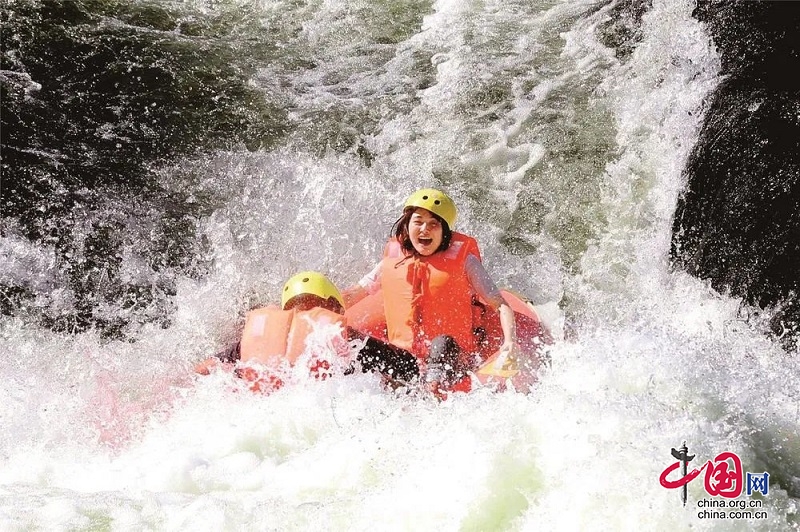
[353,295]
[207,366]
[509,354]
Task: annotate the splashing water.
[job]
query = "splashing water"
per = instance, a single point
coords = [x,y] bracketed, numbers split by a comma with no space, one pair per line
[565,161]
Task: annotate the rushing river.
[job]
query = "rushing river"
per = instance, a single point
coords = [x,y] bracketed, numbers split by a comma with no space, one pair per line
[188,157]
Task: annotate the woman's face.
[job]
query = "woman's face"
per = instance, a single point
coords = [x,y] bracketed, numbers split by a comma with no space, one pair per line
[425,232]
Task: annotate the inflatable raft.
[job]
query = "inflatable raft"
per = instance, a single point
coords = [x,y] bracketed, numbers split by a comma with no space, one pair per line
[488,368]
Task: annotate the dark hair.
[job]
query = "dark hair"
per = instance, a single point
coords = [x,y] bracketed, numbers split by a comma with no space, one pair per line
[400,231]
[309,301]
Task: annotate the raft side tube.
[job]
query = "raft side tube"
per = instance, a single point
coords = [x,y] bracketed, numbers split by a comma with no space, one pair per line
[368,317]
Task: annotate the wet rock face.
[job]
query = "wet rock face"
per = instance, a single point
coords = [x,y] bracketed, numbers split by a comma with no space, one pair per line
[99,99]
[738,222]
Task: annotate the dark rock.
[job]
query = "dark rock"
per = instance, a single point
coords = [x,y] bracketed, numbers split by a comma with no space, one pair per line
[738,222]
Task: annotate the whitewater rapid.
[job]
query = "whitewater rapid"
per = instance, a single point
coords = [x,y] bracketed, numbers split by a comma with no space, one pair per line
[565,162]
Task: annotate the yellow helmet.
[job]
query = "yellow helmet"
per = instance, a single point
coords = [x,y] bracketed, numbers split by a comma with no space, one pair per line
[435,201]
[310,283]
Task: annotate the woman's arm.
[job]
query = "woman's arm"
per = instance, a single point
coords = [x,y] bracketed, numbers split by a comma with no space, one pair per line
[227,356]
[353,295]
[509,326]
[488,291]
[369,284]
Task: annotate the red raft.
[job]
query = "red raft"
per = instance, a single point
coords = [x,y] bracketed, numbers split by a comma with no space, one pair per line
[533,338]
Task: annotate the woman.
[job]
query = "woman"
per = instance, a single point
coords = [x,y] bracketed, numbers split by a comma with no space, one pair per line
[276,337]
[429,277]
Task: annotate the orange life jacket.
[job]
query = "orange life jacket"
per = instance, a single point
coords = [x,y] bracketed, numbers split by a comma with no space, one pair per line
[428,296]
[273,336]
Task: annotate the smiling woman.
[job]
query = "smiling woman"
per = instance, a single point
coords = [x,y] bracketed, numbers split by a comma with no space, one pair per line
[424,231]
[430,277]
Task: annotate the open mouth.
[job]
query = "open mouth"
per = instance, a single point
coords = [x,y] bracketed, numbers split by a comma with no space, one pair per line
[426,241]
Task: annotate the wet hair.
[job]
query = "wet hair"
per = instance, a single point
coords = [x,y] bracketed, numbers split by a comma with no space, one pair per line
[400,231]
[309,301]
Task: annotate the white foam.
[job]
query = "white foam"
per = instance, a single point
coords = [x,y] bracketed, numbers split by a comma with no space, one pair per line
[111,434]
